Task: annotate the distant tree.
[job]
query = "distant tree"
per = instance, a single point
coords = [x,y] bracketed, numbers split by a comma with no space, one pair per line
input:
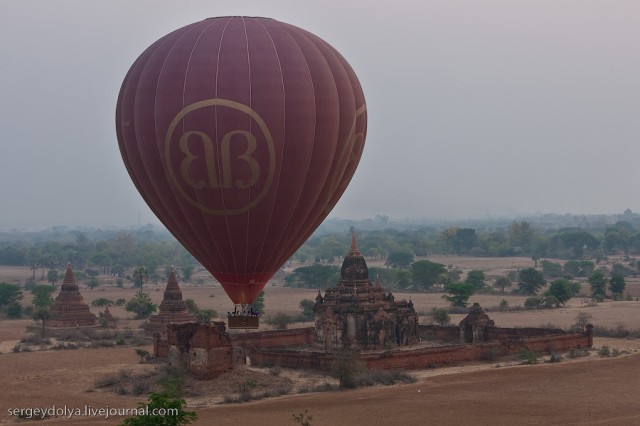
[314,276]
[9,294]
[93,283]
[140,276]
[459,294]
[399,259]
[403,278]
[563,290]
[502,283]
[520,235]
[42,296]
[307,309]
[617,285]
[530,281]
[142,353]
[258,305]
[535,259]
[41,313]
[578,268]
[598,284]
[187,272]
[476,279]
[53,276]
[465,239]
[551,269]
[203,315]
[280,320]
[425,273]
[141,305]
[440,316]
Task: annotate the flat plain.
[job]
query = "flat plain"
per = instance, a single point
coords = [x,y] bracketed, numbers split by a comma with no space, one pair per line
[588,390]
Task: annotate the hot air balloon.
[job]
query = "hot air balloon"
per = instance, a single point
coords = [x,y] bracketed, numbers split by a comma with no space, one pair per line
[241,134]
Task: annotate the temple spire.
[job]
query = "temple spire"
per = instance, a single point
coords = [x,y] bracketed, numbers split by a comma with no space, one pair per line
[354,243]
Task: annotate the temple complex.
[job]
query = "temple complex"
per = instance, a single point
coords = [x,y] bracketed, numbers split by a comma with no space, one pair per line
[172,310]
[359,312]
[69,309]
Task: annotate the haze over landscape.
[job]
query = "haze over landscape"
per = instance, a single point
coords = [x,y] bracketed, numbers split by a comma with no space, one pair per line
[475,109]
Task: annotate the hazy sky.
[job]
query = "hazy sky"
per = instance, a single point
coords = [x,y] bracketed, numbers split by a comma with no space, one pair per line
[475,107]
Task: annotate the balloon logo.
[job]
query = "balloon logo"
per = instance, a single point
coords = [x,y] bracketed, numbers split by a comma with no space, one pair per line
[241,134]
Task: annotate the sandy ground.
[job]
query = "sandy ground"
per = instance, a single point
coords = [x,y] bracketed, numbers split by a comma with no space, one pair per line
[590,390]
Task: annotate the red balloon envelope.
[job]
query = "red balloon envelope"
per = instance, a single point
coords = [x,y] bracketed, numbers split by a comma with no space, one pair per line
[241,134]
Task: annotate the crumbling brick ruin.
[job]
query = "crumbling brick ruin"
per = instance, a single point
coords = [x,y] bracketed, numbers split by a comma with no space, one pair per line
[204,349]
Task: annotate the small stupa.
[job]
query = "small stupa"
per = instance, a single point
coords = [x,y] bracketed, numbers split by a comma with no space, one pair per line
[69,309]
[358,311]
[173,310]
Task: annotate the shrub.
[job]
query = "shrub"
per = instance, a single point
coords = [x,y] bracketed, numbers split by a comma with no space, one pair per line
[504,305]
[604,351]
[528,356]
[347,366]
[279,321]
[173,380]
[577,353]
[440,316]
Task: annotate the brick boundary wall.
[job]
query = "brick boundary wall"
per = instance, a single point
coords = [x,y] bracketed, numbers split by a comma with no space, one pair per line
[424,357]
[274,338]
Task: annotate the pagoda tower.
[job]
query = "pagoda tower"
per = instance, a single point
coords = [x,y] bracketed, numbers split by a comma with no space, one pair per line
[69,309]
[359,312]
[173,310]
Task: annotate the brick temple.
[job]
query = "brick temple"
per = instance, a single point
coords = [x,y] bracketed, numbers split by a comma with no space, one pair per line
[172,310]
[358,311]
[69,309]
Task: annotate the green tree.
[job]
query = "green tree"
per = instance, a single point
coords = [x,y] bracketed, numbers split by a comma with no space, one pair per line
[502,283]
[399,259]
[42,296]
[440,316]
[280,320]
[617,284]
[530,280]
[9,294]
[563,290]
[314,276]
[598,283]
[162,402]
[465,239]
[459,294]
[41,313]
[53,276]
[258,305]
[476,279]
[187,272]
[425,273]
[141,305]
[140,276]
[307,309]
[551,269]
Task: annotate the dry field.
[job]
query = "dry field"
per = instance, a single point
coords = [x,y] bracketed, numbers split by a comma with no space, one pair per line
[583,391]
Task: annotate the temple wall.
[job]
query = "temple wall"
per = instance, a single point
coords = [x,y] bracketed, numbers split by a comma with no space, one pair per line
[424,357]
[274,338]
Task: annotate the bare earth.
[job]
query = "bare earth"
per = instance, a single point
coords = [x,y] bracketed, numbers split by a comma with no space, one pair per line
[583,391]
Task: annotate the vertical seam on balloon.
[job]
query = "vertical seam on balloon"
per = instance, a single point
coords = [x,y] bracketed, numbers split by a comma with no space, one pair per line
[315,112]
[284,123]
[204,218]
[246,250]
[155,106]
[226,220]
